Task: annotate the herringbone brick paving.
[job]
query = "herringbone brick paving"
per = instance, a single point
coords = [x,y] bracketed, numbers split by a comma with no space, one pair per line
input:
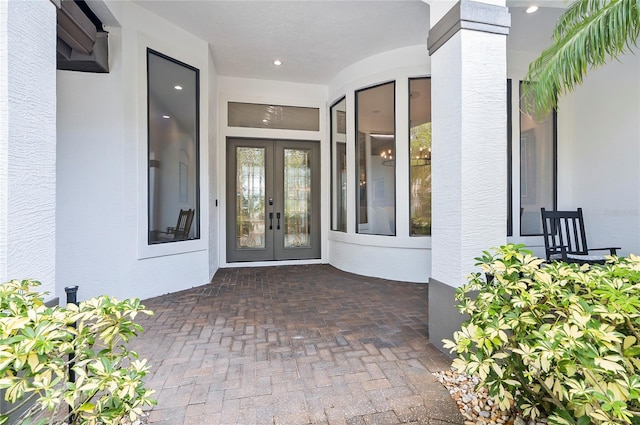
[294,345]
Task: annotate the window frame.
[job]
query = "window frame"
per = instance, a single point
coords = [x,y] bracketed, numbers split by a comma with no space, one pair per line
[332,225]
[554,160]
[197,219]
[509,158]
[357,158]
[428,77]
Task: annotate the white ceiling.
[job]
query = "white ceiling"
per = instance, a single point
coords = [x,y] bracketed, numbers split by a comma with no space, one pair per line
[316,39]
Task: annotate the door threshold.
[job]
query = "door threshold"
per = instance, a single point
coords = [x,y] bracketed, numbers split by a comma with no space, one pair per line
[270,263]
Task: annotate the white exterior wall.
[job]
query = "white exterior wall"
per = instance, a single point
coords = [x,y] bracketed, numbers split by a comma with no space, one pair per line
[598,153]
[399,257]
[276,93]
[28,141]
[102,168]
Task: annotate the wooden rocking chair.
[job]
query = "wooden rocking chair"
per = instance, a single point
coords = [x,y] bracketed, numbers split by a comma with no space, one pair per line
[565,238]
[182,229]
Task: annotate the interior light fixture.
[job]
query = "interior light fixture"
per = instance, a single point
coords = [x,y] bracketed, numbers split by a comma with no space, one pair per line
[166,117]
[422,158]
[532,9]
[383,136]
[177,87]
[387,158]
[277,62]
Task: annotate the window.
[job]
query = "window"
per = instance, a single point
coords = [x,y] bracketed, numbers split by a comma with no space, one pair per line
[375,160]
[420,155]
[173,173]
[339,166]
[255,115]
[538,155]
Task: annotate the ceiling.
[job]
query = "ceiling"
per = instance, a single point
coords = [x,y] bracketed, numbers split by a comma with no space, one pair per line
[316,39]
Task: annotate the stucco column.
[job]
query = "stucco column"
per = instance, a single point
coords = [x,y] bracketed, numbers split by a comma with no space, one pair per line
[469,79]
[28,141]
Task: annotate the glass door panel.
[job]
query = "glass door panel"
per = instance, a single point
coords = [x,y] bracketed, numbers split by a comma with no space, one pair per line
[298,190]
[250,202]
[297,198]
[249,186]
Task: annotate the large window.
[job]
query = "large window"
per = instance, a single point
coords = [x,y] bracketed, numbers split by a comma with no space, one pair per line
[173,185]
[339,166]
[537,168]
[375,160]
[420,155]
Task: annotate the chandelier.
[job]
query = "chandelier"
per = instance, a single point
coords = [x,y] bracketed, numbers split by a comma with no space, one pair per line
[422,158]
[387,158]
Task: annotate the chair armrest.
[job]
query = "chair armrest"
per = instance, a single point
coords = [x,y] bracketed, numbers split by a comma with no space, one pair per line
[612,250]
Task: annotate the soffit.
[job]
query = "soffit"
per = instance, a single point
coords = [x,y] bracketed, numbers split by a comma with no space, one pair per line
[317,39]
[314,39]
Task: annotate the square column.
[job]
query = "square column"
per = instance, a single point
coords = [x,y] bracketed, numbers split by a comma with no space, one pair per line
[28,141]
[469,170]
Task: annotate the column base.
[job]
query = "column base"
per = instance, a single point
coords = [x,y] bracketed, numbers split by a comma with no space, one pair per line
[444,317]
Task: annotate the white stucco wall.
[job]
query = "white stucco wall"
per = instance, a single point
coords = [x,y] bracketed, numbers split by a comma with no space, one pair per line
[399,257]
[27,141]
[599,154]
[102,166]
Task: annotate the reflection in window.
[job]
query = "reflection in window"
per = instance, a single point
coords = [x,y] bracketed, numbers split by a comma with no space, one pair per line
[376,165]
[420,155]
[173,150]
[537,168]
[339,166]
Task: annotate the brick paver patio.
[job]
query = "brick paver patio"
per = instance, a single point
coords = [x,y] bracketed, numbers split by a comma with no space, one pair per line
[294,345]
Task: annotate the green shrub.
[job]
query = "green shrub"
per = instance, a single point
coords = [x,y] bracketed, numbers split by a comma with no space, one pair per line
[556,340]
[35,344]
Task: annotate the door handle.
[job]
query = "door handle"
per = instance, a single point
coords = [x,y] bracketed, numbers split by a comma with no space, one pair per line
[278,217]
[270,220]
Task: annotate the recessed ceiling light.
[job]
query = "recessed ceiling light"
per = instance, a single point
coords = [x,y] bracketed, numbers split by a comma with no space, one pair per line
[166,117]
[177,87]
[265,121]
[277,62]
[532,9]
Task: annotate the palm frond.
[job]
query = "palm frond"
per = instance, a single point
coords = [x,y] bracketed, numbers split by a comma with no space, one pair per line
[589,33]
[575,13]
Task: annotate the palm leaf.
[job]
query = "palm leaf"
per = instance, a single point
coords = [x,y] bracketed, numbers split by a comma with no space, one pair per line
[587,35]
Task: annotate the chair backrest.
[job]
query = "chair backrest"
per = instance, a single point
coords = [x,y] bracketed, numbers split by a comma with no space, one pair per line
[563,229]
[185,218]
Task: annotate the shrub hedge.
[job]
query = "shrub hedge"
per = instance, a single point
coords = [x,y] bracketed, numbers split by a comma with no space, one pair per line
[558,340]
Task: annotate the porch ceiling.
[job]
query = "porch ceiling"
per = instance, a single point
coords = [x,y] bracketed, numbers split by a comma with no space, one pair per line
[317,39]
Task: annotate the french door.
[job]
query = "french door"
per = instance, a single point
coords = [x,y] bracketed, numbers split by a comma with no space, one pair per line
[273,200]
